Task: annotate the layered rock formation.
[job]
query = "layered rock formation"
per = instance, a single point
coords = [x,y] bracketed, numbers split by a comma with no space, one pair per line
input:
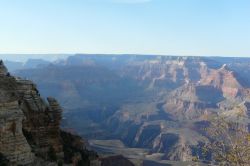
[155,102]
[222,79]
[30,127]
[13,143]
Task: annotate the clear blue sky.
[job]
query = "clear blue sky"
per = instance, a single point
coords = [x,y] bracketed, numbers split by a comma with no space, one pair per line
[177,27]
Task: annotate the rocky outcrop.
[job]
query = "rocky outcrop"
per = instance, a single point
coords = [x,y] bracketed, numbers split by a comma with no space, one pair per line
[30,127]
[3,69]
[13,143]
[42,120]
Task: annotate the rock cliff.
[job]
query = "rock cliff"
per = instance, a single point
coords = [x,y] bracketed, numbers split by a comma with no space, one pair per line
[30,127]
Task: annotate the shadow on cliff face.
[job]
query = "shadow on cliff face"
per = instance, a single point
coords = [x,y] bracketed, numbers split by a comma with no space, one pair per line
[116,161]
[153,163]
[148,135]
[209,94]
[3,160]
[73,146]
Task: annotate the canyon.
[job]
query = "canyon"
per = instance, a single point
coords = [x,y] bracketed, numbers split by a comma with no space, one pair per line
[154,105]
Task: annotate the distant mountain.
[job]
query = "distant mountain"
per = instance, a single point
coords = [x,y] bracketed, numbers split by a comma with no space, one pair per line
[13,66]
[33,63]
[155,103]
[29,64]
[25,57]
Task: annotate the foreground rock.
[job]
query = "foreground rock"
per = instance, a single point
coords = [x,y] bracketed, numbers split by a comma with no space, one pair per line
[30,128]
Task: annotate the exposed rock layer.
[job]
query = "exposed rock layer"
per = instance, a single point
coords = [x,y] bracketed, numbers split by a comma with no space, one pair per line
[30,127]
[147,101]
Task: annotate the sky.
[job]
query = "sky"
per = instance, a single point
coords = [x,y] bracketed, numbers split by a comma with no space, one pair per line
[162,27]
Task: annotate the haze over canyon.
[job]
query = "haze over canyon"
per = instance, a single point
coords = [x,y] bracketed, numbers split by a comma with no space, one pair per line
[150,109]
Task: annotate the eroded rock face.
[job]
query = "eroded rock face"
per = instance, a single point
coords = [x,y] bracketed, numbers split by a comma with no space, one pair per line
[223,79]
[3,69]
[41,124]
[13,144]
[29,126]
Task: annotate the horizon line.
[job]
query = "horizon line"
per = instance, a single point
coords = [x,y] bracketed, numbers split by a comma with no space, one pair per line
[129,54]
